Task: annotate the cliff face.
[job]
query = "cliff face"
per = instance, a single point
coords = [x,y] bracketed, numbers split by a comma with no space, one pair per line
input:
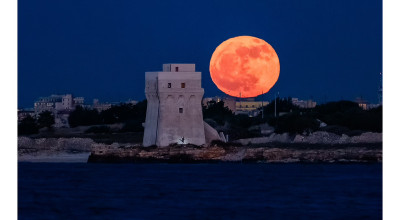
[266,154]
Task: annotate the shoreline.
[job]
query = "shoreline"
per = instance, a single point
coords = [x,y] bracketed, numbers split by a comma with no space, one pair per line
[59,157]
[350,153]
[85,150]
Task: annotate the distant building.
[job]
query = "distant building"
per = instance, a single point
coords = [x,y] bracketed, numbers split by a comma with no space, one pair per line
[100,106]
[133,102]
[47,104]
[79,101]
[174,113]
[249,106]
[62,105]
[59,105]
[206,100]
[304,103]
[362,103]
[55,103]
[23,113]
[230,102]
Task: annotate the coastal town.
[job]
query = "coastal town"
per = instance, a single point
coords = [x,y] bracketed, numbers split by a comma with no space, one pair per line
[62,105]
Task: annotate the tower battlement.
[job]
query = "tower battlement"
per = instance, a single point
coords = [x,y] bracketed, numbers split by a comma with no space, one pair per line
[175,67]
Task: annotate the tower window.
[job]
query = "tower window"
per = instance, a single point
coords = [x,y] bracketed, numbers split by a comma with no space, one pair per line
[180,110]
[176,69]
[169,85]
[182,85]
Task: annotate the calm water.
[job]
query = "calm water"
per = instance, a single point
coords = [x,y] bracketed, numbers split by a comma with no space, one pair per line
[199,191]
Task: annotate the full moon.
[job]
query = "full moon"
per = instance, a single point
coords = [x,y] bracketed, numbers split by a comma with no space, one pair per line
[244,67]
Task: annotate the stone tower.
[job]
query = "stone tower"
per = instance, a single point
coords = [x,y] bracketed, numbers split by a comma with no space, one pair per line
[174,112]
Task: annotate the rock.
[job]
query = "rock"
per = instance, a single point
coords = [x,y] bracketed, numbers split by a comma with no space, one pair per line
[266,129]
[343,139]
[368,137]
[234,155]
[318,137]
[260,140]
[190,154]
[55,144]
[321,137]
[280,138]
[254,154]
[212,153]
[298,139]
[25,142]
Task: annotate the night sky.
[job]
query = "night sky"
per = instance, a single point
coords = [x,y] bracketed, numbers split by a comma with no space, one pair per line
[328,50]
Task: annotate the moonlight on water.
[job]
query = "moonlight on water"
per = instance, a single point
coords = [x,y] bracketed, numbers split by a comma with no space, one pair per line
[244,66]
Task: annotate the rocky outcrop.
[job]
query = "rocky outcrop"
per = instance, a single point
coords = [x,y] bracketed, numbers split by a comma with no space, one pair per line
[319,137]
[368,137]
[54,157]
[278,138]
[264,154]
[322,137]
[48,145]
[317,147]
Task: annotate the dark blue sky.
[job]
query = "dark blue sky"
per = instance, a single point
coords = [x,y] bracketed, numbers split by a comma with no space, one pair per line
[328,50]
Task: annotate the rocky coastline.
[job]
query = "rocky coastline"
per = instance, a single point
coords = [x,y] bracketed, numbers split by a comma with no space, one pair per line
[54,149]
[319,147]
[271,153]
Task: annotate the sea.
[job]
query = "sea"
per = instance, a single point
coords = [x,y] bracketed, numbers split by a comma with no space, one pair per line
[199,191]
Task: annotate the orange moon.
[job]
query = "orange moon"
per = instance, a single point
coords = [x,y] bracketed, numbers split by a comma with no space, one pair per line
[244,67]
